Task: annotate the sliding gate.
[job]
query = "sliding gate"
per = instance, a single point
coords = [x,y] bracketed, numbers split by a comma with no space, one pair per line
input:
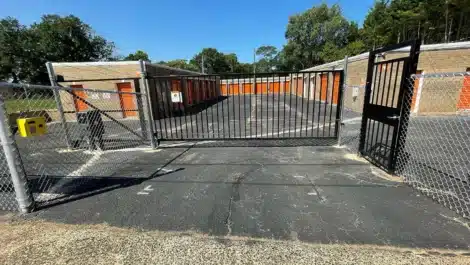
[384,120]
[247,106]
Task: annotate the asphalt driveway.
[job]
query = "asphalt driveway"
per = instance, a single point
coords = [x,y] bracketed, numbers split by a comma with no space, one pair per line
[313,194]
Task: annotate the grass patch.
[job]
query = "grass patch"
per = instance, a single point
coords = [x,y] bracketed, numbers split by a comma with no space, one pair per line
[17,105]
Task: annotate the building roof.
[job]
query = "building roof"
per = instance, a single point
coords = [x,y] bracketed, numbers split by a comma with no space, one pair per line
[109,63]
[338,65]
[176,69]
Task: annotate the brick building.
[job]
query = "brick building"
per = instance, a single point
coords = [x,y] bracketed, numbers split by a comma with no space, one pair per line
[431,95]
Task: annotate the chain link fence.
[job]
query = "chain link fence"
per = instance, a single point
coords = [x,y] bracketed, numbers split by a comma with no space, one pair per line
[435,153]
[351,116]
[71,137]
[7,192]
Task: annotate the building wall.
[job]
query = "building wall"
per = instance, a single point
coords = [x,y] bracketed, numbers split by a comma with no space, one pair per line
[104,101]
[306,85]
[437,95]
[117,72]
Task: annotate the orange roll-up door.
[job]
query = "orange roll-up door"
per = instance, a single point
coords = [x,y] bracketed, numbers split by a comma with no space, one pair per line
[79,105]
[127,100]
[324,86]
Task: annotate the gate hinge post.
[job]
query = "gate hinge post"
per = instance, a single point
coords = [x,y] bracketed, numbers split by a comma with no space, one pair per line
[148,104]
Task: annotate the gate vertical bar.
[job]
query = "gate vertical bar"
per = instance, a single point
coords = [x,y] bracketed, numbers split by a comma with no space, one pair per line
[158,109]
[60,108]
[239,110]
[405,102]
[302,105]
[147,105]
[340,104]
[15,166]
[184,95]
[314,101]
[343,82]
[370,72]
[273,106]
[308,103]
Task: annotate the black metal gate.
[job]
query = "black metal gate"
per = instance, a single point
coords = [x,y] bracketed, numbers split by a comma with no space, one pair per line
[383,122]
[247,106]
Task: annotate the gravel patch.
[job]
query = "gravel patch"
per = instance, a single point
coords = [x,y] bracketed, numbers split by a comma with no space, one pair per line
[40,242]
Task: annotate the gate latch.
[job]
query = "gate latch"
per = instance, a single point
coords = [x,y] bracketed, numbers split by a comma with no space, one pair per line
[394,117]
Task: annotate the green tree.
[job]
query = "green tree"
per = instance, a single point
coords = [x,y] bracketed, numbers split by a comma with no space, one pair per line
[376,25]
[12,53]
[232,61]
[181,64]
[268,59]
[243,68]
[308,33]
[25,50]
[138,55]
[214,61]
[433,21]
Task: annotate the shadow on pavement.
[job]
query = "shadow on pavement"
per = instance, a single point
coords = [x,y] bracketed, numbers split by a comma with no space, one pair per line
[57,190]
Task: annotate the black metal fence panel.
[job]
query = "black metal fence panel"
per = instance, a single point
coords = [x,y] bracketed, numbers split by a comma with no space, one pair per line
[247,106]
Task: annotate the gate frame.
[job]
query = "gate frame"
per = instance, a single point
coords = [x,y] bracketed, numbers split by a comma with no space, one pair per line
[405,94]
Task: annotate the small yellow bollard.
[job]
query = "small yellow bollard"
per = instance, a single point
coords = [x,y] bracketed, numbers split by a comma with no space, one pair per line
[33,126]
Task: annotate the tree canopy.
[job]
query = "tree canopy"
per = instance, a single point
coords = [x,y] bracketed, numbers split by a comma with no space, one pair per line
[25,50]
[318,35]
[138,55]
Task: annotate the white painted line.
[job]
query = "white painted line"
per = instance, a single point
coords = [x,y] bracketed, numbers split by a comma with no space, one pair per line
[148,188]
[134,149]
[60,150]
[145,191]
[47,196]
[88,164]
[186,144]
[297,130]
[59,184]
[299,177]
[297,112]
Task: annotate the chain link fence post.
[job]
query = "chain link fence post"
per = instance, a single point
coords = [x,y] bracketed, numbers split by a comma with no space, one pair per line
[58,101]
[15,166]
[147,104]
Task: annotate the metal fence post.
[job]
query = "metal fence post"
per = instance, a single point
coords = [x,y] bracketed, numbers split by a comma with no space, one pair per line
[15,166]
[58,101]
[141,110]
[343,93]
[147,105]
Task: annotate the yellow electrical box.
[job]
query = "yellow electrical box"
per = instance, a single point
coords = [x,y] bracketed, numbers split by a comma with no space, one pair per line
[33,126]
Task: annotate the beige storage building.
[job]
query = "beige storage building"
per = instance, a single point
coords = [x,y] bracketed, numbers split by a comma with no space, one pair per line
[116,76]
[432,95]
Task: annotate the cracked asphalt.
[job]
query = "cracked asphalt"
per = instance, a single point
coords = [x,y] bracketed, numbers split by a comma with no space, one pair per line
[310,194]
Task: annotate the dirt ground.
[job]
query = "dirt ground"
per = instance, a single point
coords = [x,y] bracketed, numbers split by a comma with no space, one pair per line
[41,242]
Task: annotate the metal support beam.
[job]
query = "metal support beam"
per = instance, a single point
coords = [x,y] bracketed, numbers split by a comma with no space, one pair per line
[60,108]
[15,165]
[343,94]
[147,105]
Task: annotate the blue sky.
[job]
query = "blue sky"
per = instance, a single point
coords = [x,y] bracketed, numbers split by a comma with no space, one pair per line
[178,29]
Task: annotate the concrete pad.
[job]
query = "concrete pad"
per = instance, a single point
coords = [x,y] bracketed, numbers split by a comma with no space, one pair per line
[314,194]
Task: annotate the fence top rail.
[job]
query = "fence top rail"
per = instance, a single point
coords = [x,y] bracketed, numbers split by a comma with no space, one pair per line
[249,75]
[443,74]
[6,85]
[404,59]
[99,79]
